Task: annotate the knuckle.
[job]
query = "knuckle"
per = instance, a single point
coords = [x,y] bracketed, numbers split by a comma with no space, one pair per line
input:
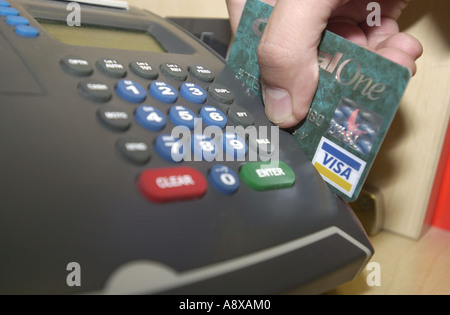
[274,56]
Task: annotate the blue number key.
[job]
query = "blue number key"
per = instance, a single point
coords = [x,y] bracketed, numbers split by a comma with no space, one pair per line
[203,147]
[182,116]
[193,93]
[163,92]
[224,179]
[170,148]
[234,146]
[150,117]
[211,116]
[131,91]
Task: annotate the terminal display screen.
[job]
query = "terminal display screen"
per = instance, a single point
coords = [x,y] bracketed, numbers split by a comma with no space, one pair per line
[102,37]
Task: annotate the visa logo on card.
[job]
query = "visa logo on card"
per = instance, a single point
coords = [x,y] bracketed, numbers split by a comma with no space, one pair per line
[338,167]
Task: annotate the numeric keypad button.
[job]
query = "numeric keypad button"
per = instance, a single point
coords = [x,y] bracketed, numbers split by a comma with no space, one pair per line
[170,148]
[131,91]
[182,116]
[203,147]
[163,92]
[193,93]
[234,146]
[150,118]
[212,116]
[224,179]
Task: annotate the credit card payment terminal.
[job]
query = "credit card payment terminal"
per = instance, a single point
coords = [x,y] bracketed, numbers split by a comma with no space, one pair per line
[133,161]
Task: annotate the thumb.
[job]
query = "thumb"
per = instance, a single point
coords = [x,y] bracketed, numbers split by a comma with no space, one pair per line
[287,57]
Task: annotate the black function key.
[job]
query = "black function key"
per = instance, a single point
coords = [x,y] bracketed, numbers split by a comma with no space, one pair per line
[221,93]
[114,118]
[202,73]
[239,116]
[77,66]
[134,150]
[174,71]
[265,145]
[112,68]
[144,70]
[95,90]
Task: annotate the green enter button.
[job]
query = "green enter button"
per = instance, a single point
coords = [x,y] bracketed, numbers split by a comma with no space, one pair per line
[267,175]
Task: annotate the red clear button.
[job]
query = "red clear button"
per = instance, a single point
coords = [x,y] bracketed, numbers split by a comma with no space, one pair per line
[172,184]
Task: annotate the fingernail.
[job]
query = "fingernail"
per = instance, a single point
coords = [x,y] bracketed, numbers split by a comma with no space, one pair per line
[278,104]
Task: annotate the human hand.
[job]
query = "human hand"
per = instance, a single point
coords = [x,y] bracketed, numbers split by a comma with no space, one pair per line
[287,53]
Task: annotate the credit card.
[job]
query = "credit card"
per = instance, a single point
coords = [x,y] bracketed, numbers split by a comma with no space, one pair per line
[355,103]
